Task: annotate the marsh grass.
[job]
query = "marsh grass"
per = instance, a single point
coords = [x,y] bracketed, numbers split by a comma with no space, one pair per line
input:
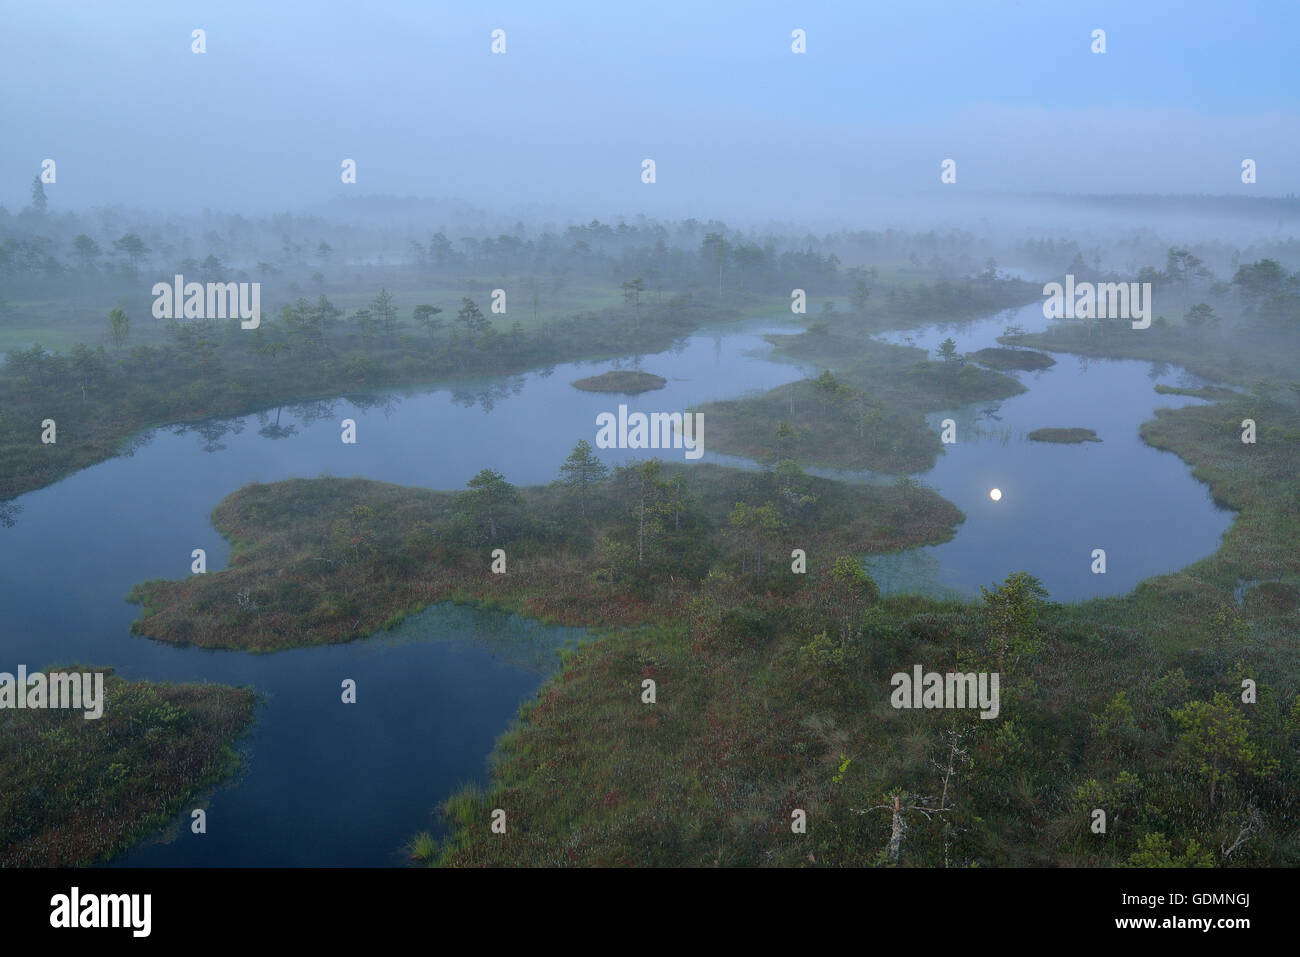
[422,849]
[748,729]
[77,791]
[866,412]
[314,575]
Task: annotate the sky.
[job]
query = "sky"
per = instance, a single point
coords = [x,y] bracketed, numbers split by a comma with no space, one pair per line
[737,124]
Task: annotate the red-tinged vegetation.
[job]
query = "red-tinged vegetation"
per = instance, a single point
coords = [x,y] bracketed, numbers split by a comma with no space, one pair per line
[756,717]
[322,561]
[77,790]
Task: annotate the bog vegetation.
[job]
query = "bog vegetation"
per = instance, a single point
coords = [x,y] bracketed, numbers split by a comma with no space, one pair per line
[327,560]
[78,791]
[772,681]
[624,381]
[1132,706]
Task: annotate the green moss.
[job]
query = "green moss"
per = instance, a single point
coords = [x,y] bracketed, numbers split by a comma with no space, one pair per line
[117,777]
[1203,392]
[315,573]
[1065,436]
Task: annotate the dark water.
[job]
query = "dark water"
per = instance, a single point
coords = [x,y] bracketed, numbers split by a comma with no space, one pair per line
[1059,502]
[333,784]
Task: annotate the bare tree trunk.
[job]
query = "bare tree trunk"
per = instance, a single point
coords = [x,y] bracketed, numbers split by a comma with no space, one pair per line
[896,832]
[943,798]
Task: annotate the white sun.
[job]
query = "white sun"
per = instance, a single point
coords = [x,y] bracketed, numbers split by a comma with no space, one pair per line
[995,494]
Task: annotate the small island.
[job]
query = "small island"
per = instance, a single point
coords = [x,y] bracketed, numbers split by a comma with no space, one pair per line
[1202,392]
[1025,359]
[326,560]
[1068,436]
[622,381]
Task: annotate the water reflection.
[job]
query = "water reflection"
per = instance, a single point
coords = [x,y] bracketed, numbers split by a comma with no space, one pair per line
[315,410]
[487,395]
[440,688]
[385,402]
[274,430]
[210,432]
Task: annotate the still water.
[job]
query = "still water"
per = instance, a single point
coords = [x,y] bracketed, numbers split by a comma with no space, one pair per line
[331,784]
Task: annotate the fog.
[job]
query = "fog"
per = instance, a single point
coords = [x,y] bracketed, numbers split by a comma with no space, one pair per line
[849,134]
[312,312]
[509,138]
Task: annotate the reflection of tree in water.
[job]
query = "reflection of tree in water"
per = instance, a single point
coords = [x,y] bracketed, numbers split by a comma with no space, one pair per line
[488,396]
[9,514]
[274,430]
[366,402]
[629,362]
[1158,371]
[546,372]
[314,411]
[136,442]
[212,432]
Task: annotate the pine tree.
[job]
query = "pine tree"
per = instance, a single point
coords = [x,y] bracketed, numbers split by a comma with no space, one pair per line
[581,470]
[472,318]
[427,316]
[488,502]
[38,194]
[1216,739]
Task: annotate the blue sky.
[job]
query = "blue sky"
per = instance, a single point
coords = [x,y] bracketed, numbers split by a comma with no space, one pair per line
[734,120]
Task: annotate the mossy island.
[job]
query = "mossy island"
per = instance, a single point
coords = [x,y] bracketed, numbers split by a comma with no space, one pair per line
[327,560]
[1025,359]
[622,381]
[1200,392]
[1066,436]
